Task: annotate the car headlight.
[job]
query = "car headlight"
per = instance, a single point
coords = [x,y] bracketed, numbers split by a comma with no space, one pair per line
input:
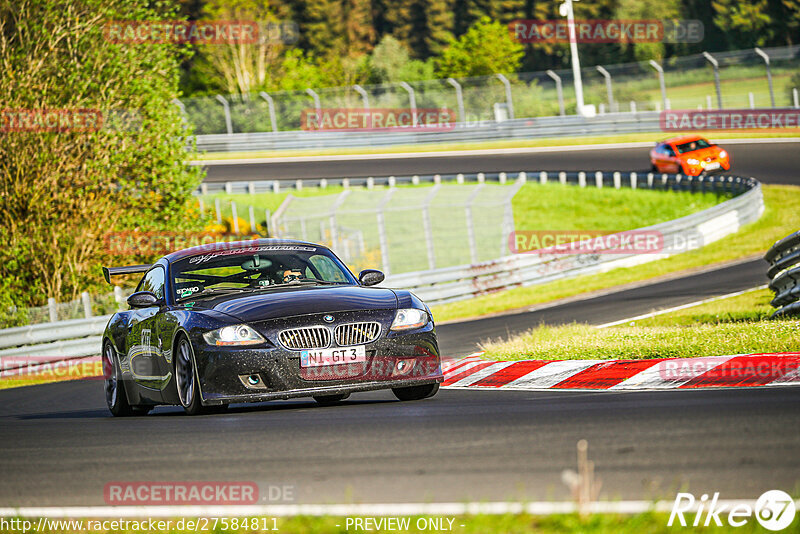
[723,154]
[408,318]
[239,334]
[693,161]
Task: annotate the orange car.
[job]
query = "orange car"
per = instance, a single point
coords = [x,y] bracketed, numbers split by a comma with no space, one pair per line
[689,154]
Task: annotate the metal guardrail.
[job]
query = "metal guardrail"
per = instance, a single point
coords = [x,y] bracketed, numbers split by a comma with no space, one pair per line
[456,283]
[784,275]
[558,126]
[50,342]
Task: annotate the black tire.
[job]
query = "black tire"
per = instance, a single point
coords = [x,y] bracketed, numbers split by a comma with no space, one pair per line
[186,378]
[329,400]
[416,392]
[116,398]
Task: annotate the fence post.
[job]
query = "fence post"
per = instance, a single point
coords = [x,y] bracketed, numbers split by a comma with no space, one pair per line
[370,182]
[460,178]
[660,71]
[437,179]
[617,180]
[582,179]
[364,97]
[559,90]
[522,177]
[118,297]
[276,186]
[509,101]
[765,57]
[346,183]
[384,242]
[459,98]
[543,177]
[752,100]
[202,206]
[481,178]
[298,184]
[562,178]
[317,105]
[53,309]
[392,181]
[415,179]
[252,220]
[267,219]
[235,216]
[502,177]
[271,107]
[634,180]
[794,97]
[473,245]
[714,63]
[219,211]
[228,123]
[609,91]
[598,179]
[412,100]
[427,227]
[87,304]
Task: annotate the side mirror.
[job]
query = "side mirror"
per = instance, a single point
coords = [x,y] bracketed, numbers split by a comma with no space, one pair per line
[142,299]
[370,277]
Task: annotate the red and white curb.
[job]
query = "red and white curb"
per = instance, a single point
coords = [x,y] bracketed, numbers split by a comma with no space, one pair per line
[743,370]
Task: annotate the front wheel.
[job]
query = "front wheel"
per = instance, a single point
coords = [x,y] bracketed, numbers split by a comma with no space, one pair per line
[416,392]
[116,398]
[186,379]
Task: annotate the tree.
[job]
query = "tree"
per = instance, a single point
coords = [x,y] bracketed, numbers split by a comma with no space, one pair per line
[487,48]
[647,9]
[390,62]
[62,189]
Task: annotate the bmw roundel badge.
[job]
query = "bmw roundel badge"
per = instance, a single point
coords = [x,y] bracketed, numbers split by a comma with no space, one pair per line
[328,318]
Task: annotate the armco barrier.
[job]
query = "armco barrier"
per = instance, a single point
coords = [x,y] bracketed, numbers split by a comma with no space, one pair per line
[78,338]
[571,125]
[784,273]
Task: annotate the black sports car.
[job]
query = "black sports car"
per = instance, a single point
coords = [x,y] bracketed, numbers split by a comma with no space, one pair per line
[259,320]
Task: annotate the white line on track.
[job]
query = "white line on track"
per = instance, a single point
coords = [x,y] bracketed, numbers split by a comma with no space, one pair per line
[681,307]
[383,509]
[475,152]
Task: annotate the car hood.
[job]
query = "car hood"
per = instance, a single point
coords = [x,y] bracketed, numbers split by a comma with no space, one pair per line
[703,153]
[267,305]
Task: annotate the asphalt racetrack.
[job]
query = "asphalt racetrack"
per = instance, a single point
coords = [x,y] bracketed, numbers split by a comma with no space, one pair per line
[770,162]
[60,446]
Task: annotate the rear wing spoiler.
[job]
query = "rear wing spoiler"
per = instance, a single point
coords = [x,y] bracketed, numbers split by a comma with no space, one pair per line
[108,272]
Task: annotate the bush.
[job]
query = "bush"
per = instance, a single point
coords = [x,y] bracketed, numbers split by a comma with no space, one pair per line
[62,191]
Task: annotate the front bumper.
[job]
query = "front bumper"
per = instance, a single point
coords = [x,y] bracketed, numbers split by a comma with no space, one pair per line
[395,359]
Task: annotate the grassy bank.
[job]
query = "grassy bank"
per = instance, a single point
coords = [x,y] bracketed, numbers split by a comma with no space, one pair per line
[736,325]
[651,522]
[779,219]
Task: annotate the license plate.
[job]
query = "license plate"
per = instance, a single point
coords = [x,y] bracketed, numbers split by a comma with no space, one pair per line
[320,357]
[712,166]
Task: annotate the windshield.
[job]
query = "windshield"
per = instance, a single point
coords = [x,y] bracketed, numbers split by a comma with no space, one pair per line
[255,268]
[693,145]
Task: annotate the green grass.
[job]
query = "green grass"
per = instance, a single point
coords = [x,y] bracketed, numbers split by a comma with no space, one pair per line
[650,522]
[483,145]
[735,325]
[779,219]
